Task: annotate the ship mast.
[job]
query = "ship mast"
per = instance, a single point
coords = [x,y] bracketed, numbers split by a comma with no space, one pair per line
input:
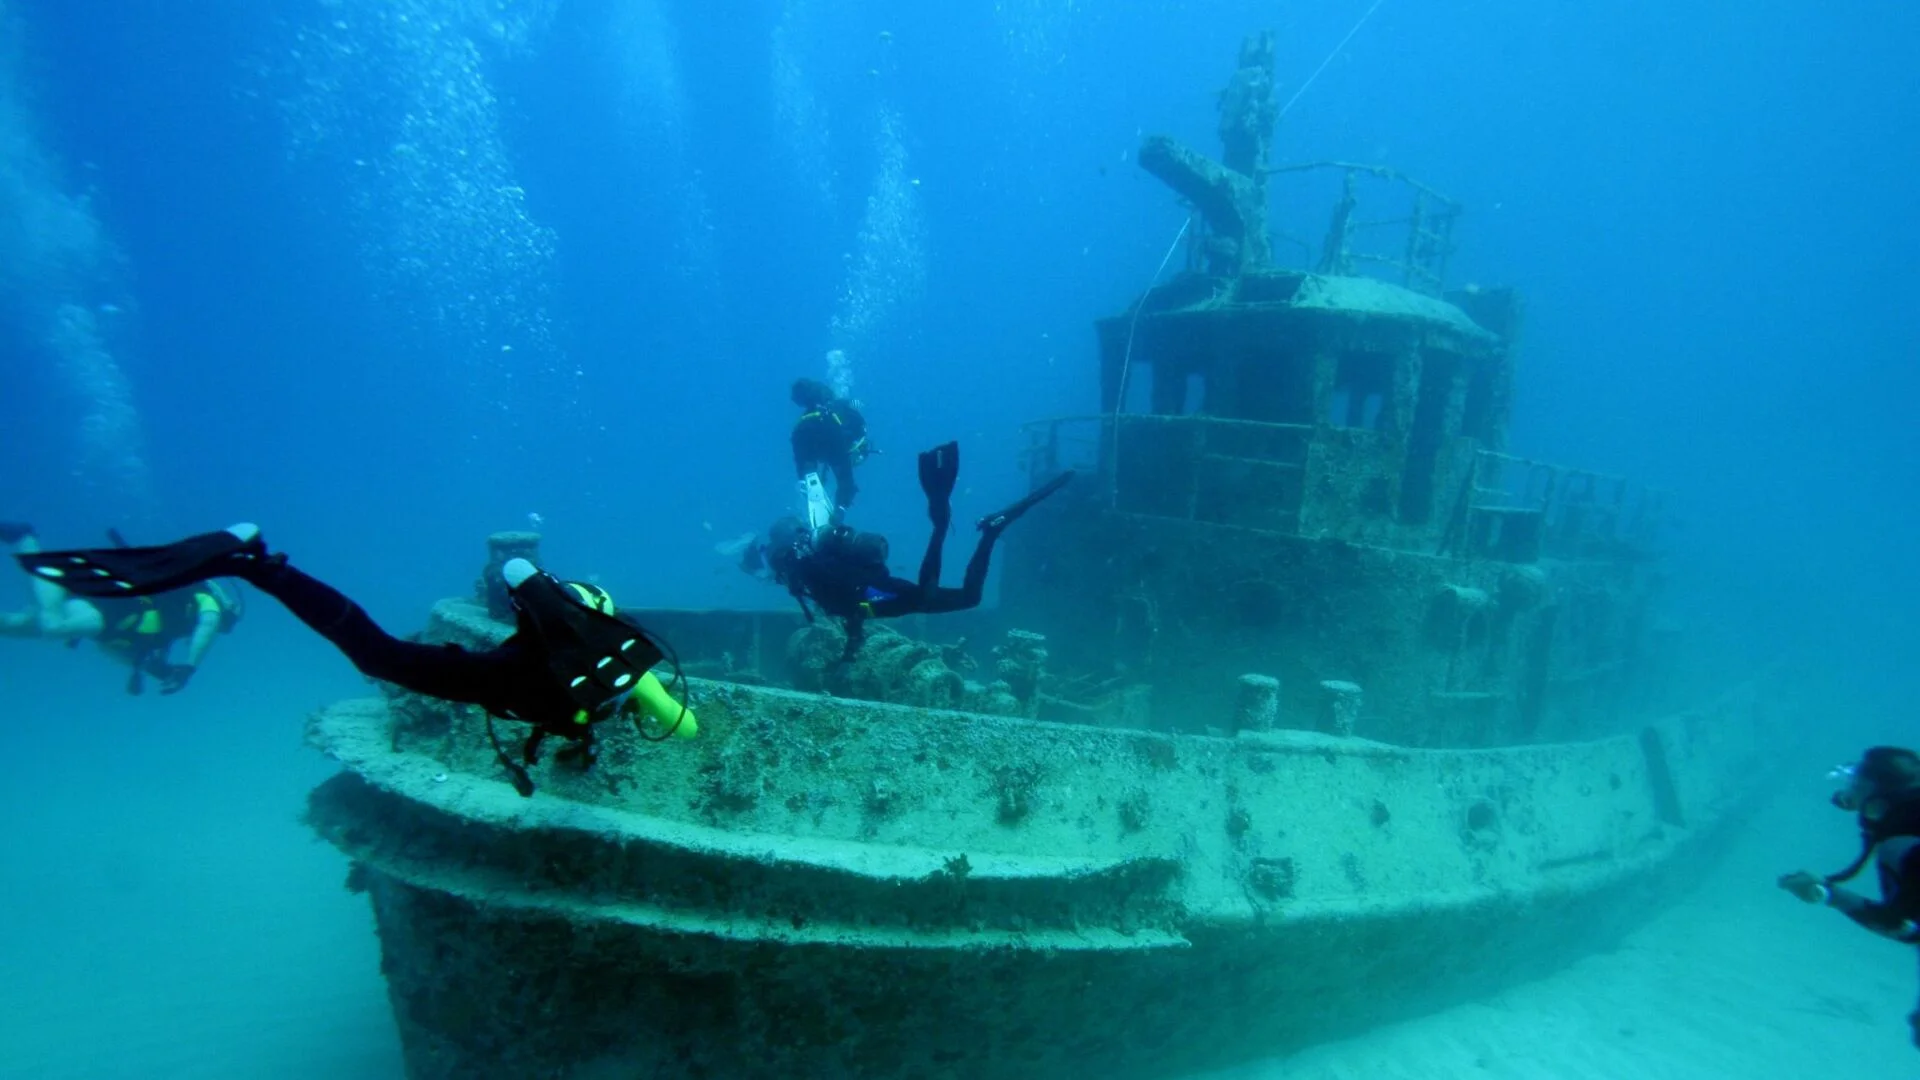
[1229,195]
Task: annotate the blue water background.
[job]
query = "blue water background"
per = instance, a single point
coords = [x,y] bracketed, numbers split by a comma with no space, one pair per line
[1707,207]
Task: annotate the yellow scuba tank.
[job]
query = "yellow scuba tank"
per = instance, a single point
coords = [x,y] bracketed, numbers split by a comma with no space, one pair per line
[647,695]
[652,697]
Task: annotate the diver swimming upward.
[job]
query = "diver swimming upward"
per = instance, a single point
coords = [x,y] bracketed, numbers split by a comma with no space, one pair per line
[831,434]
[570,663]
[844,573]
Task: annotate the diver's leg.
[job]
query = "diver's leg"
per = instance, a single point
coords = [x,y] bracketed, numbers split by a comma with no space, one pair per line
[974,587]
[72,620]
[942,601]
[996,523]
[439,671]
[844,489]
[47,596]
[934,600]
[930,562]
[939,471]
[55,614]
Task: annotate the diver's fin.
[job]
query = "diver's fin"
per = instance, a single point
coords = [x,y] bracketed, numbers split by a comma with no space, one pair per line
[597,658]
[819,507]
[993,523]
[939,472]
[102,573]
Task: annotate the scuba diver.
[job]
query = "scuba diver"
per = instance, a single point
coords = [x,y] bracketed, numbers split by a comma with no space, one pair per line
[570,663]
[832,435]
[1883,788]
[138,631]
[844,573]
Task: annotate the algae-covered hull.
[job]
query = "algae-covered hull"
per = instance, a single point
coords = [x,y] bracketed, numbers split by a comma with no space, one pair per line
[819,887]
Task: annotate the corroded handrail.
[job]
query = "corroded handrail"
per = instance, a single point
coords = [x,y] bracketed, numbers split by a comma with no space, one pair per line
[1043,444]
[1423,261]
[1580,510]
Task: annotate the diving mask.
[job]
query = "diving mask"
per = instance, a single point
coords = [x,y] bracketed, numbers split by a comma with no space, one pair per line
[1851,788]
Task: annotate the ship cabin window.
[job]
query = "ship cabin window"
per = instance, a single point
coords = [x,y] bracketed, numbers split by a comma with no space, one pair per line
[1178,389]
[1196,398]
[1274,386]
[1363,392]
[1176,372]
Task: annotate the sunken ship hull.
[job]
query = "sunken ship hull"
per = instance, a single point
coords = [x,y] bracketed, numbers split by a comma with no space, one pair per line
[831,888]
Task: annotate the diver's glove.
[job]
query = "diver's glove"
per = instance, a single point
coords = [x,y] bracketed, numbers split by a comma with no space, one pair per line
[173,677]
[1807,887]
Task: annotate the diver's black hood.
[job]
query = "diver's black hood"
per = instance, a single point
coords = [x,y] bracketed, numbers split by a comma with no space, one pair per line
[1882,818]
[1899,815]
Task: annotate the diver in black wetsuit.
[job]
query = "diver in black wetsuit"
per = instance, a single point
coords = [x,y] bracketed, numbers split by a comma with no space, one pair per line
[830,434]
[844,573]
[570,663]
[1884,790]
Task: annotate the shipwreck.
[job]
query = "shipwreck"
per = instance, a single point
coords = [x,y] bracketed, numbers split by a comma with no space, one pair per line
[1314,707]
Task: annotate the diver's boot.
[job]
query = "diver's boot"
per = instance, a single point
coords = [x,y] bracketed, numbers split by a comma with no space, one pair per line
[104,573]
[12,532]
[995,524]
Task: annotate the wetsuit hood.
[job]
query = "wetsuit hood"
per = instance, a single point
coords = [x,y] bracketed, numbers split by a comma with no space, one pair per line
[1882,817]
[1890,815]
[811,393]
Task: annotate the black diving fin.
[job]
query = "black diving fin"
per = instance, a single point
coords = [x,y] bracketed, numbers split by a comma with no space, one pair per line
[104,573]
[995,522]
[596,657]
[940,471]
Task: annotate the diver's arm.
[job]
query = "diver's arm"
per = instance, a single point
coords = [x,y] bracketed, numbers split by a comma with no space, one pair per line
[844,487]
[856,626]
[799,594]
[1883,919]
[1894,915]
[205,629]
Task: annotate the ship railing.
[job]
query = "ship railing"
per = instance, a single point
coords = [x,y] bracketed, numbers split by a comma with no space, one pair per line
[1417,245]
[1518,510]
[1177,466]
